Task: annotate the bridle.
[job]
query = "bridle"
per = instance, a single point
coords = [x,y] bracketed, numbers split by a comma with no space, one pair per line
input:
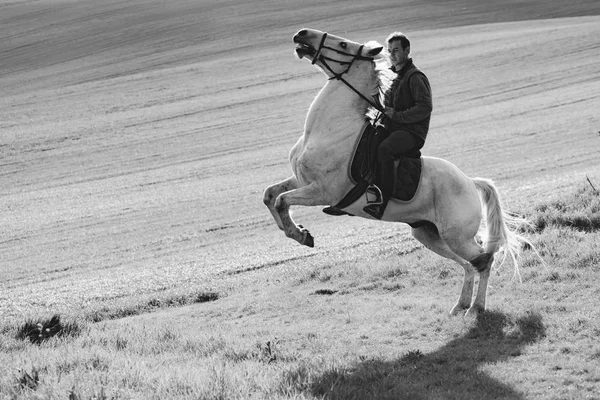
[339,76]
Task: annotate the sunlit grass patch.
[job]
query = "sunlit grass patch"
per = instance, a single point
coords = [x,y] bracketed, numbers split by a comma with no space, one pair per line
[121,359]
[568,254]
[580,211]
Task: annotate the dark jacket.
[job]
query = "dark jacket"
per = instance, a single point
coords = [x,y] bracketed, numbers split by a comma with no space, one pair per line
[410,97]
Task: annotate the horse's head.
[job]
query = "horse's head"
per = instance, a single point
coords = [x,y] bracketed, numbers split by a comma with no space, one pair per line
[333,54]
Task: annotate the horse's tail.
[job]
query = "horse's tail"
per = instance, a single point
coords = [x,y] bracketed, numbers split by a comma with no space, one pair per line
[501,226]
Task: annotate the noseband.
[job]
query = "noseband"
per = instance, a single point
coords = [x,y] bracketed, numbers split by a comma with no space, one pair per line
[320,57]
[339,76]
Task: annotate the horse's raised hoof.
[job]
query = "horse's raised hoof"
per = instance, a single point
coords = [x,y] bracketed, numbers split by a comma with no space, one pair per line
[308,239]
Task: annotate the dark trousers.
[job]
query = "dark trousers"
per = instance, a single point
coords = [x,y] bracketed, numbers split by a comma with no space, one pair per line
[395,146]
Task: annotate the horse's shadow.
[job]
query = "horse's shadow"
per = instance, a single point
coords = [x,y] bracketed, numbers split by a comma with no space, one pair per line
[451,372]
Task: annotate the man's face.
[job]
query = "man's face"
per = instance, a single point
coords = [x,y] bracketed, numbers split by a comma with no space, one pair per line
[397,54]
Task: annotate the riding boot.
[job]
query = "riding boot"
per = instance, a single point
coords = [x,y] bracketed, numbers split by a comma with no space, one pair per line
[387,180]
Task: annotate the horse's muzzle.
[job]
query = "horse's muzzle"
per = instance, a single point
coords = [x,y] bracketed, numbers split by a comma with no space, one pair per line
[303,49]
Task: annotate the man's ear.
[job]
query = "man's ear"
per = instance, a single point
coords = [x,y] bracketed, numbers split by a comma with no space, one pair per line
[407,50]
[375,51]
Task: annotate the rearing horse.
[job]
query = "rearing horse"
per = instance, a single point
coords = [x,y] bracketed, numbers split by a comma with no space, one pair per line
[446,211]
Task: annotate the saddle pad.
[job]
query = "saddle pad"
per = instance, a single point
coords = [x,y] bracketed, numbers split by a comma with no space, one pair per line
[363,168]
[408,176]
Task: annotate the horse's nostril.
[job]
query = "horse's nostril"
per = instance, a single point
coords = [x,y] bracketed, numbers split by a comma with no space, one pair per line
[303,32]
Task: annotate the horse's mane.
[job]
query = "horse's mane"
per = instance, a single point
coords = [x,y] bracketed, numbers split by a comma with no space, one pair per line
[383,78]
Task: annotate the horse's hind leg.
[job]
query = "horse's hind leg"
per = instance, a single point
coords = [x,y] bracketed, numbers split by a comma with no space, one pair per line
[429,236]
[273,191]
[484,264]
[465,246]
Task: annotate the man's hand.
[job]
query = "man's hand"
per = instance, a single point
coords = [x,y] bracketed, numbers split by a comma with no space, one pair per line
[389,112]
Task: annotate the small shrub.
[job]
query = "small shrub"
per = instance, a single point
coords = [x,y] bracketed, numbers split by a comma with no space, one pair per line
[38,331]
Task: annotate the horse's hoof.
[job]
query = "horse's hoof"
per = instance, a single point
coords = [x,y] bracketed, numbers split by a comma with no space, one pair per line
[308,240]
[458,310]
[474,311]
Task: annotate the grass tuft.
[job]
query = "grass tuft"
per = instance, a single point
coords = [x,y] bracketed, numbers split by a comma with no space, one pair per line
[74,394]
[326,292]
[38,331]
[206,297]
[296,380]
[413,356]
[108,313]
[579,211]
[27,380]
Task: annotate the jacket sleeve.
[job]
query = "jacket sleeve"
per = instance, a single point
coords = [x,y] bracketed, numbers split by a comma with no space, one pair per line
[421,92]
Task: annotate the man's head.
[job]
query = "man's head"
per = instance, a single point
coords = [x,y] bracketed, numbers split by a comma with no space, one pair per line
[398,48]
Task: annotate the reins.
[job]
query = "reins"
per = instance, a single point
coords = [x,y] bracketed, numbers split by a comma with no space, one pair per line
[339,76]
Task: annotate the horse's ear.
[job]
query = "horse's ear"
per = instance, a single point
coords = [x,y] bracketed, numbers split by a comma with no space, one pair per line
[375,51]
[373,48]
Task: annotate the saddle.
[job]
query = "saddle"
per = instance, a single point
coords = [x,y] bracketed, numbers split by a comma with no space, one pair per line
[363,170]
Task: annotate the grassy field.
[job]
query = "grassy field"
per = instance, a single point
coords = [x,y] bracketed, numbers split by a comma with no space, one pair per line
[373,327]
[136,139]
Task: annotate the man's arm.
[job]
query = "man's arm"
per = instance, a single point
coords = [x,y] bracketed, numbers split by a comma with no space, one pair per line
[421,91]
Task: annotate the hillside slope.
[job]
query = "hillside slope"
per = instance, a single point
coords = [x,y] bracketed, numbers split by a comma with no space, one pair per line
[137,137]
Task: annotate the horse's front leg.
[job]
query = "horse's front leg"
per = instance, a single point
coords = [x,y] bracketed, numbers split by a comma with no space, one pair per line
[273,191]
[311,195]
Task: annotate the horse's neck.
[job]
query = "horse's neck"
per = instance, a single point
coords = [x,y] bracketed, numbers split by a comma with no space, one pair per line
[336,114]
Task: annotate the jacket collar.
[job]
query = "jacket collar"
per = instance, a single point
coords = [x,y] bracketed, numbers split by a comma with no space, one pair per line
[404,68]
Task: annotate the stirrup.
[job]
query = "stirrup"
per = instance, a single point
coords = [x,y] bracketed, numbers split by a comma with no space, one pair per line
[373,195]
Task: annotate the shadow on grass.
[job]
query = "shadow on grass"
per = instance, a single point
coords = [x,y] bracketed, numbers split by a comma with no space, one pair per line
[451,372]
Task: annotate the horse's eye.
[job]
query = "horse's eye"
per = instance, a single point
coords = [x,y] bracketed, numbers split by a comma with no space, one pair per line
[343,45]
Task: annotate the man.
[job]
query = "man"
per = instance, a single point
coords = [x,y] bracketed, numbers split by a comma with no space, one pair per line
[408,108]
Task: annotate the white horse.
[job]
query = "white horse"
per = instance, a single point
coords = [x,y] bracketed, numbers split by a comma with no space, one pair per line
[447,210]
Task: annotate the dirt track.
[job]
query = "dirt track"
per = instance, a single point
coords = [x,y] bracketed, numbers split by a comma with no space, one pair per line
[136,138]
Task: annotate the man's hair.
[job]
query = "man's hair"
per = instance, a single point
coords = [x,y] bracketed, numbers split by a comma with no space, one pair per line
[404,42]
